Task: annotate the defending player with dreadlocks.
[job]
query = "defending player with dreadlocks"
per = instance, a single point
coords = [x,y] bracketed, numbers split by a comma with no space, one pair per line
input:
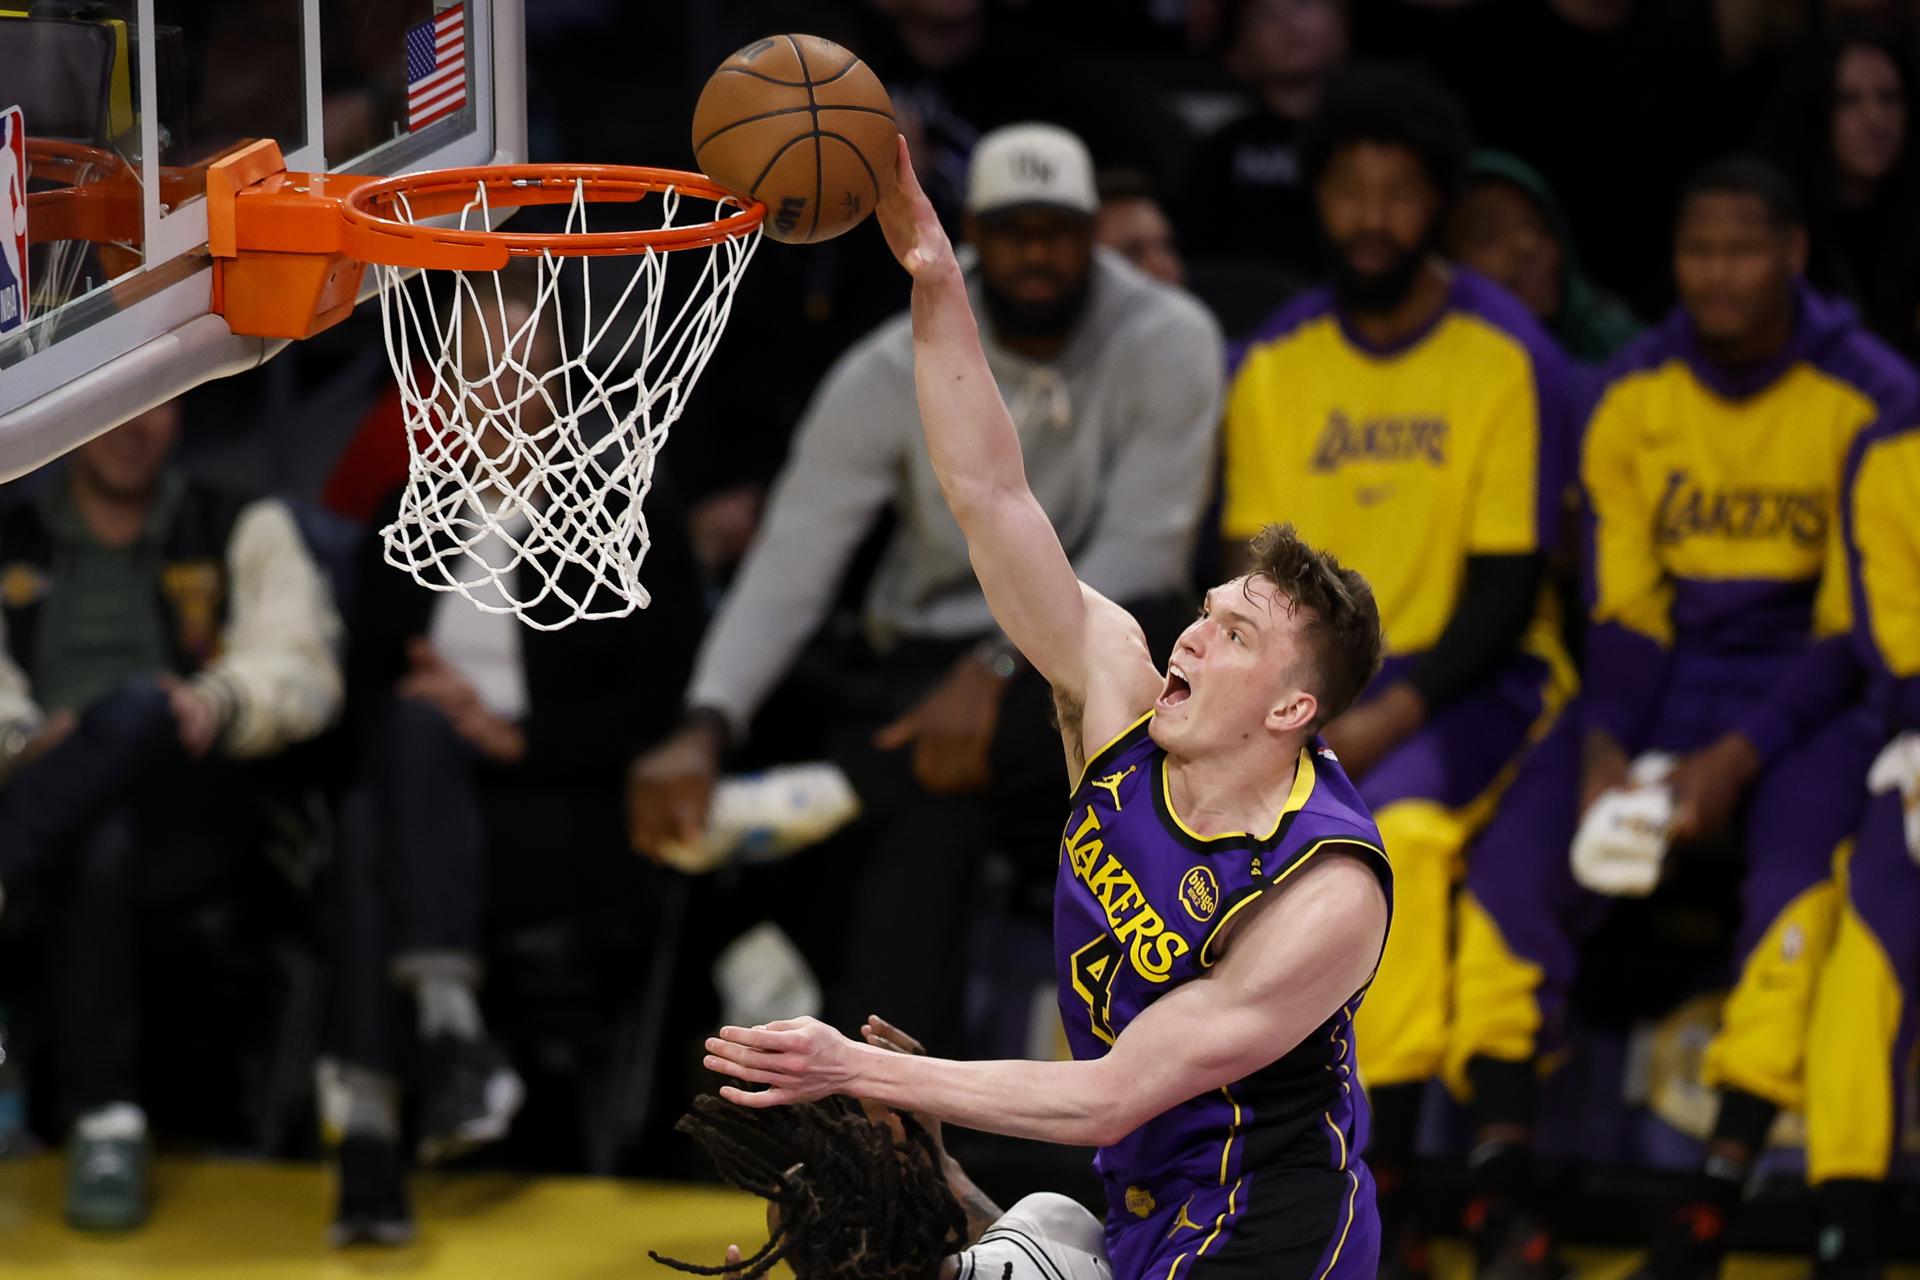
[861,1192]
[1208,975]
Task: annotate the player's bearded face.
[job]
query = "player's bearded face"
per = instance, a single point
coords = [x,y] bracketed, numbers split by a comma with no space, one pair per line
[1036,266]
[1380,215]
[1231,666]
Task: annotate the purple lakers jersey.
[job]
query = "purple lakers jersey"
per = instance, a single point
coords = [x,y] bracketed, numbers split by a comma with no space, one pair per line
[1140,906]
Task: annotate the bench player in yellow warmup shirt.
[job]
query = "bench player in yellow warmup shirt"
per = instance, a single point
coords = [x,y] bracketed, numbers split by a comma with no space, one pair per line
[1414,418]
[1860,1043]
[1711,470]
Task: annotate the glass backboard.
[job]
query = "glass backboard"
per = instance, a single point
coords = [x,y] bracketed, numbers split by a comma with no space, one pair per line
[123,104]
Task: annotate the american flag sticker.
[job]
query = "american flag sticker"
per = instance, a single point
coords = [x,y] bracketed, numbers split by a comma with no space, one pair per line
[437,67]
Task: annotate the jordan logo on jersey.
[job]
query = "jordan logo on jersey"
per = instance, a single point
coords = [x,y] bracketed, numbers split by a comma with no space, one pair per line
[1183,1222]
[1386,439]
[1111,784]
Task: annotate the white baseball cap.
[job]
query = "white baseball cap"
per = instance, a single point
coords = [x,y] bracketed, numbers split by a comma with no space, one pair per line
[1031,164]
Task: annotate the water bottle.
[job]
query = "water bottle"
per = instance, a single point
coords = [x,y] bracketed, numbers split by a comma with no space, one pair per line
[14,1138]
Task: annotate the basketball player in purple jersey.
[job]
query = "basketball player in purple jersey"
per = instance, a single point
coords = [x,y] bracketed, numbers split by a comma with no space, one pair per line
[1222,898]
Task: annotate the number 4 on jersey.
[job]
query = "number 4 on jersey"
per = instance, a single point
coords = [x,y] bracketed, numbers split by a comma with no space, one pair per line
[1095,966]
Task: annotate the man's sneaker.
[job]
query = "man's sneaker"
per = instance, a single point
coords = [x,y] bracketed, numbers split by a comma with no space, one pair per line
[1689,1247]
[108,1176]
[373,1195]
[763,817]
[1511,1245]
[469,1097]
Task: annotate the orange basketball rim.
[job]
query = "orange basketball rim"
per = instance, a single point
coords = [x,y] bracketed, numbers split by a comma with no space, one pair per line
[290,248]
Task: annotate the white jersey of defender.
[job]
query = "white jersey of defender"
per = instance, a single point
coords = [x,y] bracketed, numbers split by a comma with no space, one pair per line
[1045,1237]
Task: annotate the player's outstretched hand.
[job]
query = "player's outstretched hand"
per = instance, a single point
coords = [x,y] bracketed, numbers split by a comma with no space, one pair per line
[911,226]
[797,1059]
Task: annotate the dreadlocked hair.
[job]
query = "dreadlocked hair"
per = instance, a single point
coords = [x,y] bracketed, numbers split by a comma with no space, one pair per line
[854,1203]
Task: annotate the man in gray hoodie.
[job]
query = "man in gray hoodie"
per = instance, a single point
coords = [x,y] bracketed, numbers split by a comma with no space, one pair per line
[1115,383]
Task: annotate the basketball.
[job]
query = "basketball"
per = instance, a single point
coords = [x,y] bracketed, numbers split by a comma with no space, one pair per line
[802,125]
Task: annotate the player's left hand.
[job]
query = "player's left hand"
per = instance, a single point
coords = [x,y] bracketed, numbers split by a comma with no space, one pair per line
[951,730]
[1707,785]
[912,228]
[797,1059]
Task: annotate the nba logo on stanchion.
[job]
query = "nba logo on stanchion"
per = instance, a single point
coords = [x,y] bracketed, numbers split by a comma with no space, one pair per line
[13,219]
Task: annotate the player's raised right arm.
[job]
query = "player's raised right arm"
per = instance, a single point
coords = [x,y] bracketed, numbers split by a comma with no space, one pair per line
[1029,582]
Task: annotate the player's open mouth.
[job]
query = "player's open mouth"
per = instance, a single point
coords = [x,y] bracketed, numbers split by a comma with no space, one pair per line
[1178,690]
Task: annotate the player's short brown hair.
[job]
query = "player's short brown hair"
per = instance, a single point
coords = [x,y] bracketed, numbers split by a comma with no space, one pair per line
[1342,623]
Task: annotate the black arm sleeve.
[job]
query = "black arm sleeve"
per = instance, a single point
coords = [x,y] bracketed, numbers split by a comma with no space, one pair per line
[1496,604]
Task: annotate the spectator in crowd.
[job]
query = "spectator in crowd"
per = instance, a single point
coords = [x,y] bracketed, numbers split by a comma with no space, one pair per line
[1509,228]
[1132,223]
[796,310]
[1247,195]
[1410,418]
[1860,1042]
[488,788]
[1716,659]
[1841,129]
[1614,101]
[161,641]
[1114,380]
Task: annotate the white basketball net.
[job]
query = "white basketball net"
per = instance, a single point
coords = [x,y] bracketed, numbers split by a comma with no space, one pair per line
[532,440]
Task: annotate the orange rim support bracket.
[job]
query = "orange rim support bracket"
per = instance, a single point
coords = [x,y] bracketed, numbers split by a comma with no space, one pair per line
[279,270]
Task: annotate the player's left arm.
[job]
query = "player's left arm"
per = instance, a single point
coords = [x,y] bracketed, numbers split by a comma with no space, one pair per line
[1823,680]
[1084,647]
[1290,965]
